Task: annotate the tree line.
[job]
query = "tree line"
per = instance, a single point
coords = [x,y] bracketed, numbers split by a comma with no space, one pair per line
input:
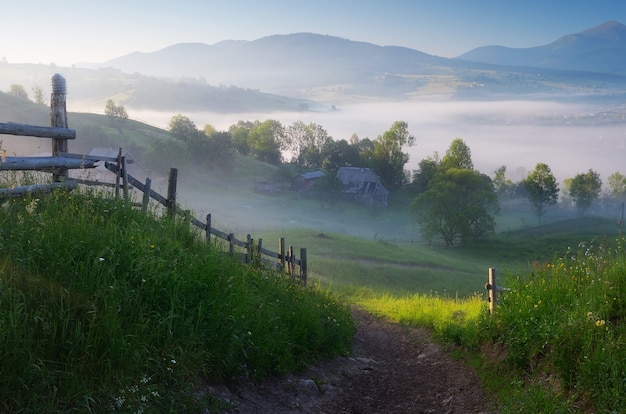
[452,201]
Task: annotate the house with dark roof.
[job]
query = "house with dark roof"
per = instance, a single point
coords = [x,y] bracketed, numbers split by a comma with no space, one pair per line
[363,184]
[304,181]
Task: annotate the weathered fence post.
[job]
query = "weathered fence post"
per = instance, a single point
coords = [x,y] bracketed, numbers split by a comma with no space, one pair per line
[281,252]
[291,261]
[248,249]
[208,228]
[171,192]
[231,241]
[146,195]
[58,118]
[303,266]
[118,173]
[124,178]
[492,287]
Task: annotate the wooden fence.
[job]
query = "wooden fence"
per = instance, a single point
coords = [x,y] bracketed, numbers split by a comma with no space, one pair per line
[62,160]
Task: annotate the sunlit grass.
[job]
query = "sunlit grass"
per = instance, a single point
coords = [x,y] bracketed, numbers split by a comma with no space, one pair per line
[104,308]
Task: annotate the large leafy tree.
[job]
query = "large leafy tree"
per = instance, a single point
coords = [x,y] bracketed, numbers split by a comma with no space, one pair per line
[542,189]
[585,189]
[307,143]
[183,128]
[239,133]
[459,205]
[387,157]
[267,140]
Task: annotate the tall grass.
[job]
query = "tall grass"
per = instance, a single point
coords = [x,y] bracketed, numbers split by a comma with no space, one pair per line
[103,308]
[565,322]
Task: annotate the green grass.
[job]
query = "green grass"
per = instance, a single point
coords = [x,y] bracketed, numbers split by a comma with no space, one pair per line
[106,309]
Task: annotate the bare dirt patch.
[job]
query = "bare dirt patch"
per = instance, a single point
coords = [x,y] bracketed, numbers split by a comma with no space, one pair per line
[392,369]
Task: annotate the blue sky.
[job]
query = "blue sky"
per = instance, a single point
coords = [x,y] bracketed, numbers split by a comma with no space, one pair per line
[70,31]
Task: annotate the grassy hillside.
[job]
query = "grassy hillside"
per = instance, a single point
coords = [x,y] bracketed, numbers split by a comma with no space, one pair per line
[91,88]
[105,309]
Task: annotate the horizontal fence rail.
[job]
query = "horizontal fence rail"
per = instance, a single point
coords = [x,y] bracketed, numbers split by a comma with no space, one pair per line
[37,131]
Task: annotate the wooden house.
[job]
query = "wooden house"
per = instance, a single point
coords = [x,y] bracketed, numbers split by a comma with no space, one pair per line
[304,181]
[363,184]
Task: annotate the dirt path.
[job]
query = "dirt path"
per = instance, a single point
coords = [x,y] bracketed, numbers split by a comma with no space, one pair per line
[393,369]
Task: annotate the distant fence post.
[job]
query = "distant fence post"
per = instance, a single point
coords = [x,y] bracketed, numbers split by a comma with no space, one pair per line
[491,287]
[58,118]
[146,195]
[231,241]
[303,266]
[248,249]
[281,252]
[171,192]
[208,228]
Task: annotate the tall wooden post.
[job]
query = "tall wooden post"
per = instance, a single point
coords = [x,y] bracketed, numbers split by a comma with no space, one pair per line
[281,252]
[171,193]
[146,195]
[492,287]
[58,118]
[249,249]
[303,266]
[208,228]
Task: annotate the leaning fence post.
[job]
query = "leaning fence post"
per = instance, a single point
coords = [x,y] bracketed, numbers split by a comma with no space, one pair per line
[58,118]
[492,287]
[171,193]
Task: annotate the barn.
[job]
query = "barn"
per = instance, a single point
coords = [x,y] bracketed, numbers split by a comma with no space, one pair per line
[363,184]
[303,181]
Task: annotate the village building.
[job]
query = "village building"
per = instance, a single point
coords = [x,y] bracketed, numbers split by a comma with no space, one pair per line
[362,184]
[304,181]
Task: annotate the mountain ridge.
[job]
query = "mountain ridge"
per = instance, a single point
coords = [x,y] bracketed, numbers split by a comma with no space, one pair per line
[599,49]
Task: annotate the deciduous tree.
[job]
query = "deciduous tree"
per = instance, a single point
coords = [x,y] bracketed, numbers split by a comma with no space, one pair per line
[459,205]
[18,90]
[542,189]
[388,159]
[585,189]
[617,185]
[38,95]
[183,128]
[458,155]
[267,141]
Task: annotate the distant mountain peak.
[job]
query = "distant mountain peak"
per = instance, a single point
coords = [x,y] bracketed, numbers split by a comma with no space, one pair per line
[608,29]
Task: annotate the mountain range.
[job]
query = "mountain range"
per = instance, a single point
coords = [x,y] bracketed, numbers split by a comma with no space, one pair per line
[307,71]
[307,65]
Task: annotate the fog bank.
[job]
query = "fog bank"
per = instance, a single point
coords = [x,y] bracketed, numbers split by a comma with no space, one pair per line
[570,138]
